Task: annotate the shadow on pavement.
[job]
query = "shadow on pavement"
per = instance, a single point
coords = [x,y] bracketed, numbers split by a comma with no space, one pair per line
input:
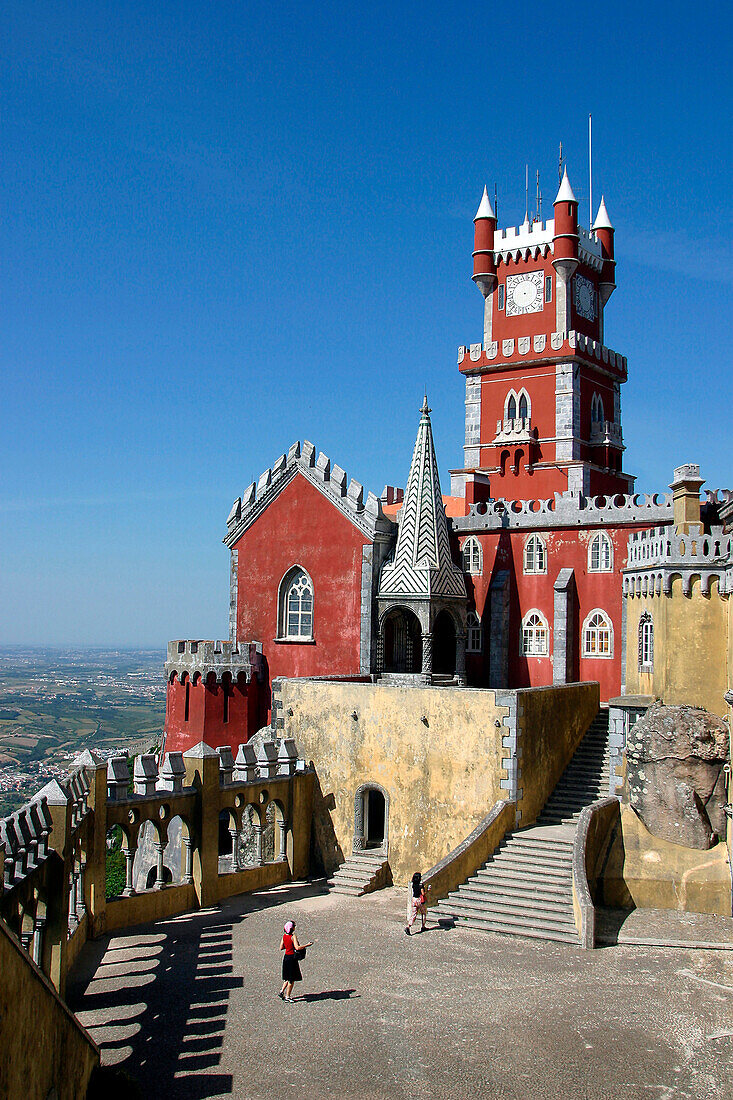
[330,995]
[156,997]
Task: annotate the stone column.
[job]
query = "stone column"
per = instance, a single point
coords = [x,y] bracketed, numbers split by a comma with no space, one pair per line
[38,926]
[159,849]
[80,903]
[187,860]
[380,651]
[129,860]
[234,834]
[461,638]
[427,659]
[283,855]
[257,830]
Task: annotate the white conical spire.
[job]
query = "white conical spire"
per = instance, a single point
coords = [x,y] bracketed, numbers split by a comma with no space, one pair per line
[484,208]
[602,219]
[565,194]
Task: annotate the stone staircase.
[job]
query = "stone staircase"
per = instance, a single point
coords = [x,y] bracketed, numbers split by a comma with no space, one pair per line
[525,889]
[361,874]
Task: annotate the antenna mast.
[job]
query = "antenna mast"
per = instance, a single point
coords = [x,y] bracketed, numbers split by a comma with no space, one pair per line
[496,205]
[526,191]
[590,168]
[538,210]
[559,167]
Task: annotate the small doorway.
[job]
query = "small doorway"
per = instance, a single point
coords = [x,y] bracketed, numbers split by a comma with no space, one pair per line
[371,818]
[374,807]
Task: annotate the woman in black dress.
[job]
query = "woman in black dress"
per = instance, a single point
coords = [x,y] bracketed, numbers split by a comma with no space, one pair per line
[291,965]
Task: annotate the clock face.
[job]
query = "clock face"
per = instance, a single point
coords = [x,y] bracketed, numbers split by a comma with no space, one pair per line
[524,293]
[585,298]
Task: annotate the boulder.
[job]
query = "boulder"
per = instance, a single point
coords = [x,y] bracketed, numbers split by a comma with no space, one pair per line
[675,780]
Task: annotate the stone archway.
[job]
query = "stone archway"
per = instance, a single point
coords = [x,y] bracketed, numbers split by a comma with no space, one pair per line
[371,819]
[402,636]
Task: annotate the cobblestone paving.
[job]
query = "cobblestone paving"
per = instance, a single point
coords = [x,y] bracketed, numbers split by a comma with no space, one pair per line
[189,1007]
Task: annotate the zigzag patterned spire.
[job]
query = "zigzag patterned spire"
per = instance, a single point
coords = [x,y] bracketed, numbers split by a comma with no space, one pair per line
[422,562]
[423,534]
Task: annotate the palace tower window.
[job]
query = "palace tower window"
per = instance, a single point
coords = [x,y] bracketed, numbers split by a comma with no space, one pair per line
[646,642]
[600,554]
[295,605]
[472,556]
[535,555]
[597,635]
[533,638]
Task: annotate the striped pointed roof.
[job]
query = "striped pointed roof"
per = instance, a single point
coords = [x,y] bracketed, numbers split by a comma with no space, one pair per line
[422,565]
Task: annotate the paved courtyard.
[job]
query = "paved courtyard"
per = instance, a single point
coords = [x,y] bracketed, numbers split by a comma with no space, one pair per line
[188,1006]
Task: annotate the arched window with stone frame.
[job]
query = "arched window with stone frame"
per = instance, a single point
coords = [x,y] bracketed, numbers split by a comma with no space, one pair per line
[475,635]
[597,635]
[646,642]
[600,553]
[533,639]
[472,556]
[295,606]
[535,555]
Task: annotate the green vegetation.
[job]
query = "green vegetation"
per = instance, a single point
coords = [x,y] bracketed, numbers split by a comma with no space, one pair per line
[115,880]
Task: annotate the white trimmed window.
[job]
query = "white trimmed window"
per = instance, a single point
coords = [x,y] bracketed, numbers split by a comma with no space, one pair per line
[646,642]
[296,605]
[600,554]
[596,409]
[597,635]
[472,556]
[535,555]
[533,639]
[475,638]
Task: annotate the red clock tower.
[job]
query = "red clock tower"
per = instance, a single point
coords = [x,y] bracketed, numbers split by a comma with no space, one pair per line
[543,406]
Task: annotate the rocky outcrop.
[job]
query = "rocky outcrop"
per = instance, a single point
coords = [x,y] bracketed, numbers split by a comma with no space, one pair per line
[675,779]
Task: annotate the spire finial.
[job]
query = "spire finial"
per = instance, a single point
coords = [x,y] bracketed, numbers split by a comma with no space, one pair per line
[425,410]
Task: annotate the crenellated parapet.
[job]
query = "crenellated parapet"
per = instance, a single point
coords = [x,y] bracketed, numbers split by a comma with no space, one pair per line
[657,557]
[330,479]
[503,352]
[24,841]
[534,239]
[202,658]
[567,509]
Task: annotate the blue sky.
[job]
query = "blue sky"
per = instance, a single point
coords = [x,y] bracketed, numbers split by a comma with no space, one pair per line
[229,226]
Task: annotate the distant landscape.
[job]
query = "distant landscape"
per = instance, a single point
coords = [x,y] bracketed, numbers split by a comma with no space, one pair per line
[56,702]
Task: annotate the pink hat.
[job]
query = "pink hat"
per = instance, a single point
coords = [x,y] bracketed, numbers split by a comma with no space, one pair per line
[289,926]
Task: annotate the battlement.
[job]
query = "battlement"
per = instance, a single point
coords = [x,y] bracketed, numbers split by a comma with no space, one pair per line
[530,240]
[330,479]
[24,840]
[656,557]
[568,509]
[196,657]
[571,343]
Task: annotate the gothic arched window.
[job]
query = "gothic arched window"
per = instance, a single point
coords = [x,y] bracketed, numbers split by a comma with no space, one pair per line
[475,639]
[600,554]
[523,407]
[533,637]
[535,555]
[597,635]
[511,409]
[295,605]
[472,556]
[646,641]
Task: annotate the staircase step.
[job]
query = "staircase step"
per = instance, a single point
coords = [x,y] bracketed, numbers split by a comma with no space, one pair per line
[530,868]
[492,899]
[513,914]
[516,925]
[503,888]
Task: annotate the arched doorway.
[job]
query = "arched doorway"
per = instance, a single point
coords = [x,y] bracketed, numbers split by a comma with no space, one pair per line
[402,641]
[444,645]
[371,818]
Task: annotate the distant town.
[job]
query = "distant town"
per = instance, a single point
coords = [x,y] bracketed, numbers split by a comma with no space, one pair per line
[56,702]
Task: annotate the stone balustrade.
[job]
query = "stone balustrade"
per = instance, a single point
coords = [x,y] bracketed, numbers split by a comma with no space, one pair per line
[54,849]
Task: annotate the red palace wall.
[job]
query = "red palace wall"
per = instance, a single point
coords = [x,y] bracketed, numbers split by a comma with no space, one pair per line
[301,527]
[209,718]
[566,548]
